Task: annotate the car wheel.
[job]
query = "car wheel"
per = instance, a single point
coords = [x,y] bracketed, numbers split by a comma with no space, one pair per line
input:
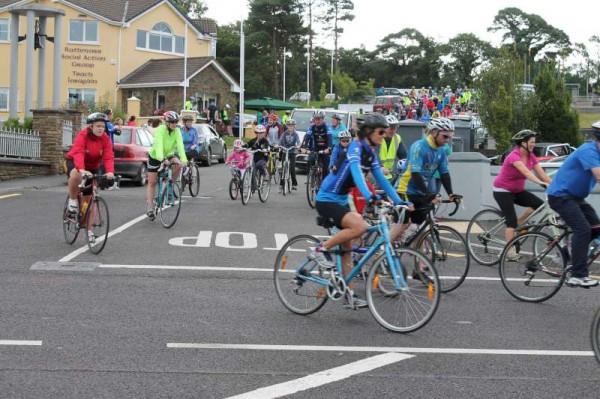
[142,176]
[209,158]
[223,155]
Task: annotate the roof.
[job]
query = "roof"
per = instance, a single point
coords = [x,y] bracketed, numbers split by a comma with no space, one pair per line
[206,25]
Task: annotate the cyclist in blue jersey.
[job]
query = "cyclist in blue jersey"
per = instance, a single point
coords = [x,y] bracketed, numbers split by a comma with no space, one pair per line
[332,198]
[318,138]
[336,128]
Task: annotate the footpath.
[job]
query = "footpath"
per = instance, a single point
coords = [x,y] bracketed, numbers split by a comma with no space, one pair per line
[32,183]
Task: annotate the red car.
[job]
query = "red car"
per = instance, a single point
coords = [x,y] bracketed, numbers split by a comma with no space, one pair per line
[385,104]
[131,153]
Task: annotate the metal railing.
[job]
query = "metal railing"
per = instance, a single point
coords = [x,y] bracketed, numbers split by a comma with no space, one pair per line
[67,130]
[19,143]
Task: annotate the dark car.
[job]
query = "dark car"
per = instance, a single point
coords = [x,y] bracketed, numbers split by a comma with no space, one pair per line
[385,104]
[211,145]
[131,153]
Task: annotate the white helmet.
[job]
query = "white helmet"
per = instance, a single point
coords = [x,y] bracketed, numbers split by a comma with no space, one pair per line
[441,124]
[344,134]
[391,119]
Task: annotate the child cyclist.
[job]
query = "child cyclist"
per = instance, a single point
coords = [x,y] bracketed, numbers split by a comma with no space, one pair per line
[238,159]
[340,151]
[261,145]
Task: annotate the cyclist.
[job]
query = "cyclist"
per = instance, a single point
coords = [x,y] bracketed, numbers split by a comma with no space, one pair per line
[318,138]
[238,159]
[426,156]
[566,195]
[167,141]
[261,144]
[190,138]
[274,130]
[509,185]
[91,147]
[340,151]
[332,198]
[336,128]
[391,148]
[290,139]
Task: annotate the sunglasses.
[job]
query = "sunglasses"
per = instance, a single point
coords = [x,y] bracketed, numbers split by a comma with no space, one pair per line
[380,132]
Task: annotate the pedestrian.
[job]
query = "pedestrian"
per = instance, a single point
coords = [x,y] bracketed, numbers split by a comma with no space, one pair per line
[131,121]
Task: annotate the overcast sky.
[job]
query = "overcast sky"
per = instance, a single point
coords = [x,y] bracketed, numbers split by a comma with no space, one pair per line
[374,19]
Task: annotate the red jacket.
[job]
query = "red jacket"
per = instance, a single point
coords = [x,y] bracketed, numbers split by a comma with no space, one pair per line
[89,151]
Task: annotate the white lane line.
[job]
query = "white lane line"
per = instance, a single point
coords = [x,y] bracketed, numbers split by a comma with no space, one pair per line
[13,342]
[118,230]
[323,377]
[9,196]
[198,268]
[449,351]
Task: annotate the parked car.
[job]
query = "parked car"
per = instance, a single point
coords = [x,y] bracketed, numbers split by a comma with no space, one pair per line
[211,145]
[385,104]
[303,116]
[300,96]
[546,151]
[131,153]
[392,91]
[551,166]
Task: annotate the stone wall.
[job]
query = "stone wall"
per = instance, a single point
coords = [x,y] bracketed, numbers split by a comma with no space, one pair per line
[19,168]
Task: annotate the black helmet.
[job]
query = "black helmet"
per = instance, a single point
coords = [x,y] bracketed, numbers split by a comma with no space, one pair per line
[596,129]
[96,117]
[371,121]
[522,136]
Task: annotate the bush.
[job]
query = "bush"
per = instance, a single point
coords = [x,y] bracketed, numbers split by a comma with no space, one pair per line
[14,123]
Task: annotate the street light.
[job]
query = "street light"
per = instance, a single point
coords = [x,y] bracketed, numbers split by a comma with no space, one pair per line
[285,54]
[331,76]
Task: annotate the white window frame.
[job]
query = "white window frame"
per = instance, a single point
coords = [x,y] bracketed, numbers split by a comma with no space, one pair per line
[160,93]
[85,22]
[7,91]
[81,92]
[166,32]
[7,30]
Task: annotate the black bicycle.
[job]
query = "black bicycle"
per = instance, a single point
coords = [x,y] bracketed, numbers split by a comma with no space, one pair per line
[314,178]
[235,184]
[191,179]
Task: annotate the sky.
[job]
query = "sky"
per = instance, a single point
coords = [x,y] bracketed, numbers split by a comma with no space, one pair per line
[374,19]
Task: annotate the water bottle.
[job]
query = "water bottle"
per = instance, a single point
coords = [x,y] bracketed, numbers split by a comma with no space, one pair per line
[84,206]
[593,246]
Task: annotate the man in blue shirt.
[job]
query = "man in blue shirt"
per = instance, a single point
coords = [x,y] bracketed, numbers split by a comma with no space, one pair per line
[566,195]
[318,139]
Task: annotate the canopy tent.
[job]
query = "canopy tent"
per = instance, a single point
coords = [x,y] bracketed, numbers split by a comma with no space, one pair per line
[270,103]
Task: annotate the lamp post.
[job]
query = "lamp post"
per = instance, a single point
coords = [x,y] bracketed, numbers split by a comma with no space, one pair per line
[331,76]
[308,70]
[285,55]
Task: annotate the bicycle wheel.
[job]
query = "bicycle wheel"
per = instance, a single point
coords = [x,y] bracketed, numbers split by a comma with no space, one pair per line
[276,171]
[247,186]
[70,225]
[595,334]
[292,267]
[98,222]
[194,180]
[264,188]
[234,188]
[310,192]
[448,252]
[284,178]
[534,277]
[171,205]
[485,237]
[403,309]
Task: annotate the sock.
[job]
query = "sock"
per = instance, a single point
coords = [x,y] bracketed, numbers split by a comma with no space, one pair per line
[73,202]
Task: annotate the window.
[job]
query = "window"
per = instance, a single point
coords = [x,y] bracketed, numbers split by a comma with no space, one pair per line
[124,137]
[3,98]
[78,96]
[83,31]
[4,36]
[160,38]
[161,96]
[144,138]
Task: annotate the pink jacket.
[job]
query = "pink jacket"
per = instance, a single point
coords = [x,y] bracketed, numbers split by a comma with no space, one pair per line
[240,159]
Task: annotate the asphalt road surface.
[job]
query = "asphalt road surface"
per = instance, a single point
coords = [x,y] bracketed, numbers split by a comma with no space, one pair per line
[191,312]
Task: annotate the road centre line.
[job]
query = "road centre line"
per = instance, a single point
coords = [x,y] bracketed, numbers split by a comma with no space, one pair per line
[448,351]
[13,342]
[10,196]
[118,230]
[323,377]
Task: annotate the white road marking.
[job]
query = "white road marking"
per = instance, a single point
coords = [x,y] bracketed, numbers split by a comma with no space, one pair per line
[12,342]
[9,196]
[449,351]
[323,377]
[118,230]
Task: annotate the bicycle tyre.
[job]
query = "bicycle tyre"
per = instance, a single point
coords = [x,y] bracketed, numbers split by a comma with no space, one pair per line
[264,188]
[419,300]
[276,172]
[285,189]
[100,225]
[194,180]
[484,234]
[70,225]
[295,293]
[234,188]
[310,193]
[171,205]
[595,334]
[548,273]
[452,268]
[247,186]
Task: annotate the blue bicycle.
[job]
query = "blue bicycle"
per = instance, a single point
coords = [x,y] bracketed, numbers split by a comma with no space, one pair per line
[400,300]
[167,202]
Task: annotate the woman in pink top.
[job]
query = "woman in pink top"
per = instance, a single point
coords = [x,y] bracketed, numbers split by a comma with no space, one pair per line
[509,185]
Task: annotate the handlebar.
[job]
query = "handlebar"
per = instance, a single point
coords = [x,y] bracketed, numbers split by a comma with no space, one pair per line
[94,176]
[456,201]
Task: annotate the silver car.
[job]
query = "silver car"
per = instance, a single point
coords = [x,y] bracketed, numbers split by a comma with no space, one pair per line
[211,145]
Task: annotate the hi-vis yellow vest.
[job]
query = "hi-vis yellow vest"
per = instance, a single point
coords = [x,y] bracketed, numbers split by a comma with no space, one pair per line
[387,155]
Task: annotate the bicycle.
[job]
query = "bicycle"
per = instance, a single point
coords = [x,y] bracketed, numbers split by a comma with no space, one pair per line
[284,172]
[167,202]
[485,232]
[92,215]
[274,165]
[235,184]
[313,179]
[305,287]
[541,269]
[595,334]
[191,179]
[253,182]
[445,246]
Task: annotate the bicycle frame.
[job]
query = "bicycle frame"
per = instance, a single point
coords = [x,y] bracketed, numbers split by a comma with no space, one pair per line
[168,174]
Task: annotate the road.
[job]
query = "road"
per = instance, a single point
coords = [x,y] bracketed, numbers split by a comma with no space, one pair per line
[192,312]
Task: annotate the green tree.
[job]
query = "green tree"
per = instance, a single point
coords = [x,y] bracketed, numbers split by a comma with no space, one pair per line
[228,48]
[337,11]
[192,8]
[323,92]
[467,53]
[500,117]
[345,85]
[557,120]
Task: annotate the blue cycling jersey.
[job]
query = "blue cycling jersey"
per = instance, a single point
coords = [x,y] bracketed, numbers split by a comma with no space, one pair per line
[425,158]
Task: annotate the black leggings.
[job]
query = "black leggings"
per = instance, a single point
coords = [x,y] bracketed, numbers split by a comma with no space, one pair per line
[506,201]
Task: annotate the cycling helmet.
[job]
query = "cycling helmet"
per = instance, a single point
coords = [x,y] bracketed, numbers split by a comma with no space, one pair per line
[171,116]
[318,114]
[227,106]
[291,122]
[238,143]
[391,119]
[441,124]
[96,117]
[596,129]
[344,134]
[259,129]
[372,121]
[187,118]
[522,136]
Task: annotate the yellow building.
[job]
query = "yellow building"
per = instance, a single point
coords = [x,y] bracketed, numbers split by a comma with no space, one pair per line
[105,43]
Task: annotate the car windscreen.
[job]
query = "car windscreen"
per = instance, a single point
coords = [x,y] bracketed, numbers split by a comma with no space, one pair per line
[124,137]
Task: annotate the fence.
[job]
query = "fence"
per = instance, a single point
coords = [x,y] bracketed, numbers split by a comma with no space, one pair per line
[67,131]
[19,143]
